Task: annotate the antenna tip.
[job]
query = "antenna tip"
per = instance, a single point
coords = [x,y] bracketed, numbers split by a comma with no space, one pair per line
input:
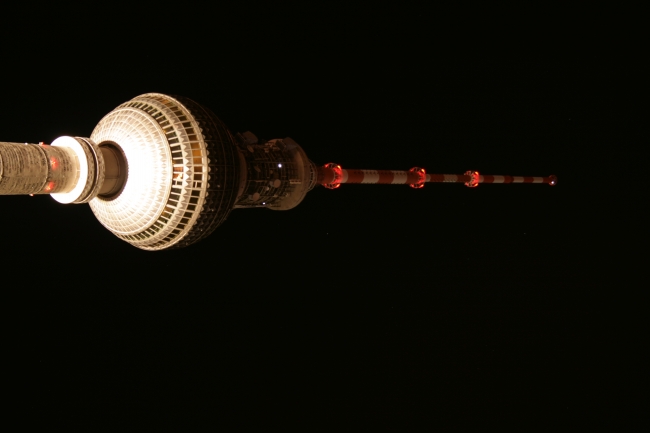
[552,180]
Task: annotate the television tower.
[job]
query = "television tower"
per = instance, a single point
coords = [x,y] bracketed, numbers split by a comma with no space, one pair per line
[164,172]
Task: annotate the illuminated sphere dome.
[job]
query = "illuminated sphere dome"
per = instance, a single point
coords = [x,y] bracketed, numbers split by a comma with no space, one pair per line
[176,174]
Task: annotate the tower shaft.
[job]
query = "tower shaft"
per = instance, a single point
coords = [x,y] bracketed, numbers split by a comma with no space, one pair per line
[36,169]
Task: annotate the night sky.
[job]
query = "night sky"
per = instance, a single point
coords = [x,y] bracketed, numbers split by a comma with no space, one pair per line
[380,299]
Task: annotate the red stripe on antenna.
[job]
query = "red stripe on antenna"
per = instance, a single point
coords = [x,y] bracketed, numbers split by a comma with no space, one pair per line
[385,176]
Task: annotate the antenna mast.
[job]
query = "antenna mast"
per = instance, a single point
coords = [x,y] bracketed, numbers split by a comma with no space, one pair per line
[332,176]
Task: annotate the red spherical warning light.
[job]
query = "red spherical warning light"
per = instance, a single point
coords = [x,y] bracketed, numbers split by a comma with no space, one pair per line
[552,180]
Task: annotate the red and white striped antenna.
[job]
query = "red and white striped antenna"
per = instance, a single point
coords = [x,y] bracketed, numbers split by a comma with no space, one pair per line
[333,176]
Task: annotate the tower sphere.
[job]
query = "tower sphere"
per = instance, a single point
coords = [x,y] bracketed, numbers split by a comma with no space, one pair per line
[175,171]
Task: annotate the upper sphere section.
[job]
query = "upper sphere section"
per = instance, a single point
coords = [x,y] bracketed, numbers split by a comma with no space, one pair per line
[149,180]
[182,176]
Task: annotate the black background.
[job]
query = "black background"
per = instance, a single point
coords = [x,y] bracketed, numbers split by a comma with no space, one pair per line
[371,297]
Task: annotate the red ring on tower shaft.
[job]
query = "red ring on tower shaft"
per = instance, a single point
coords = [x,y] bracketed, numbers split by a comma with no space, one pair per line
[331,175]
[420,177]
[473,179]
